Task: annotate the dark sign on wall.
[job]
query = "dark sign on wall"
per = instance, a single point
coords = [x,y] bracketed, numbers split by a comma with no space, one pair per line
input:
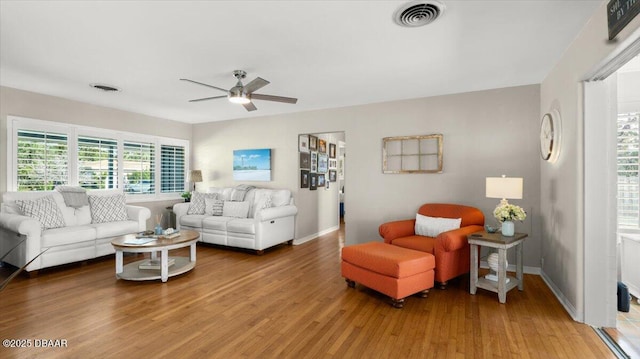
[620,13]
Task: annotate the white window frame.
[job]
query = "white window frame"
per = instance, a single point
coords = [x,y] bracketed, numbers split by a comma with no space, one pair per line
[14,123]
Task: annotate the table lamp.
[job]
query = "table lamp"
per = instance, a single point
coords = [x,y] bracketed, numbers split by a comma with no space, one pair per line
[504,187]
[194,177]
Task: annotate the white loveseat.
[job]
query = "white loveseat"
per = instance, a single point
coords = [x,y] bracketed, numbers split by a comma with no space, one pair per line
[79,239]
[270,220]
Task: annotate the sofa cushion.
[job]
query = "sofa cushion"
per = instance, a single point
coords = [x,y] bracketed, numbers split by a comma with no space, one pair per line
[241,225]
[192,220]
[67,235]
[197,204]
[235,209]
[108,208]
[433,226]
[224,193]
[43,209]
[213,207]
[112,229]
[216,223]
[83,215]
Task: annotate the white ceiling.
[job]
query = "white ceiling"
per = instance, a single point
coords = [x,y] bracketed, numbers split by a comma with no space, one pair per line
[326,53]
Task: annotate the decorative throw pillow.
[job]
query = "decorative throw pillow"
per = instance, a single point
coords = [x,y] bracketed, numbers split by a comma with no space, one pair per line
[433,226]
[197,205]
[213,207]
[235,209]
[108,208]
[43,209]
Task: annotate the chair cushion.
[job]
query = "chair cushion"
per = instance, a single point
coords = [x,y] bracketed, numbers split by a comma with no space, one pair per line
[213,207]
[197,204]
[388,259]
[433,226]
[235,209]
[419,243]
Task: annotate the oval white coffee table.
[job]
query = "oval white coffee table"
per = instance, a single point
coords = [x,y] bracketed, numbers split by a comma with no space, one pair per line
[163,271]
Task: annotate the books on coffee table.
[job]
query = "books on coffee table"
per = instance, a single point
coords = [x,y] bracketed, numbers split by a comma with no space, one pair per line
[154,264]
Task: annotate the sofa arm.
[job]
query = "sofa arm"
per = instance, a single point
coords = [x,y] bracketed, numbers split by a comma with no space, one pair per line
[397,229]
[457,238]
[268,214]
[20,224]
[140,215]
[181,209]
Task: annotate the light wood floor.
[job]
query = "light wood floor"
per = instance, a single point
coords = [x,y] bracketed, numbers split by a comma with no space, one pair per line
[289,303]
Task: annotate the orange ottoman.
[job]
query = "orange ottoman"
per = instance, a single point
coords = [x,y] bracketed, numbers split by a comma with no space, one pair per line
[395,271]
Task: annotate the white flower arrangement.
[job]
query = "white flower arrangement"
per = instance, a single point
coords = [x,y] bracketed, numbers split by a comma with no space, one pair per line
[509,212]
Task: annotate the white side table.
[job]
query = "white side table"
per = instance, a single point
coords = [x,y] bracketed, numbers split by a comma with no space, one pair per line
[501,243]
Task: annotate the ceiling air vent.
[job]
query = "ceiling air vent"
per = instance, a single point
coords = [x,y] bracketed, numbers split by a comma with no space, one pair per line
[418,13]
[105,88]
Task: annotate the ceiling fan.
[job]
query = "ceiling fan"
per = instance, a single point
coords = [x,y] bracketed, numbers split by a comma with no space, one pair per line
[243,94]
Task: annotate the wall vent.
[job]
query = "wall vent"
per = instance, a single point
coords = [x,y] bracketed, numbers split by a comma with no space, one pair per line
[418,13]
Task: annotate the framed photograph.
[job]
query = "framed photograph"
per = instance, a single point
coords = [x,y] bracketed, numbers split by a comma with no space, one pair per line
[322,146]
[304,179]
[323,163]
[333,176]
[305,160]
[341,167]
[333,164]
[326,185]
[313,181]
[313,143]
[314,162]
[303,143]
[252,165]
[332,150]
[320,180]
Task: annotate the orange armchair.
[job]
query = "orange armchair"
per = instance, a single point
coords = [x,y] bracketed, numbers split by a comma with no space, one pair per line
[450,248]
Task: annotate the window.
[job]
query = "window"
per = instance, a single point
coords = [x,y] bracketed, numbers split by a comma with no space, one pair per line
[45,154]
[97,163]
[139,168]
[172,169]
[42,160]
[628,170]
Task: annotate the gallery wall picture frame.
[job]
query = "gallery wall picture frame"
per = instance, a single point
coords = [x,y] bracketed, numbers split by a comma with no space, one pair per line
[313,143]
[314,162]
[341,168]
[333,163]
[321,180]
[322,146]
[333,176]
[313,181]
[332,150]
[305,160]
[304,179]
[303,143]
[323,163]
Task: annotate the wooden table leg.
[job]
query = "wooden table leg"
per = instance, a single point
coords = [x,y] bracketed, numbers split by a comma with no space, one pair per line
[119,264]
[164,265]
[502,275]
[473,277]
[519,271]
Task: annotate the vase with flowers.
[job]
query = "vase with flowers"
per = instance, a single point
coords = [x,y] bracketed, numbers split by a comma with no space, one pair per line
[507,213]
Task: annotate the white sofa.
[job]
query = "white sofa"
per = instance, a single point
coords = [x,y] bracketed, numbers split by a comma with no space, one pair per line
[79,239]
[265,225]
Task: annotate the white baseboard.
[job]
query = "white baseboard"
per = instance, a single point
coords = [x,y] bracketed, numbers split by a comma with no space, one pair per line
[578,317]
[315,235]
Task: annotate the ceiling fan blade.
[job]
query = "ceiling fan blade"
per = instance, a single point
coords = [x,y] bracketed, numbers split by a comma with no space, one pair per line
[250,106]
[207,98]
[200,83]
[256,84]
[258,96]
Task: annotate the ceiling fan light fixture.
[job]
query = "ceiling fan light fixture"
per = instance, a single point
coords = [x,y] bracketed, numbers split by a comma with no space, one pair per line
[236,95]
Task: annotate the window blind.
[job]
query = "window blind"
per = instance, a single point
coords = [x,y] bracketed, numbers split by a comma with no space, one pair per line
[97,162]
[139,167]
[628,169]
[42,160]
[172,162]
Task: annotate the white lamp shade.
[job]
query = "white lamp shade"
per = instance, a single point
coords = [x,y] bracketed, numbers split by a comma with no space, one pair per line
[504,187]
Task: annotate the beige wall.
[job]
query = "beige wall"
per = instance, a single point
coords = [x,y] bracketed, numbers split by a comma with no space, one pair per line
[562,183]
[486,133]
[48,108]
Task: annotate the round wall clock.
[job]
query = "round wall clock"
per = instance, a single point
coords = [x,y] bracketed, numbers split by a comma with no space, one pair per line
[550,136]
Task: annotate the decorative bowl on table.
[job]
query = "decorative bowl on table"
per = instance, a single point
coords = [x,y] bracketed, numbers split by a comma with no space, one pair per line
[491,229]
